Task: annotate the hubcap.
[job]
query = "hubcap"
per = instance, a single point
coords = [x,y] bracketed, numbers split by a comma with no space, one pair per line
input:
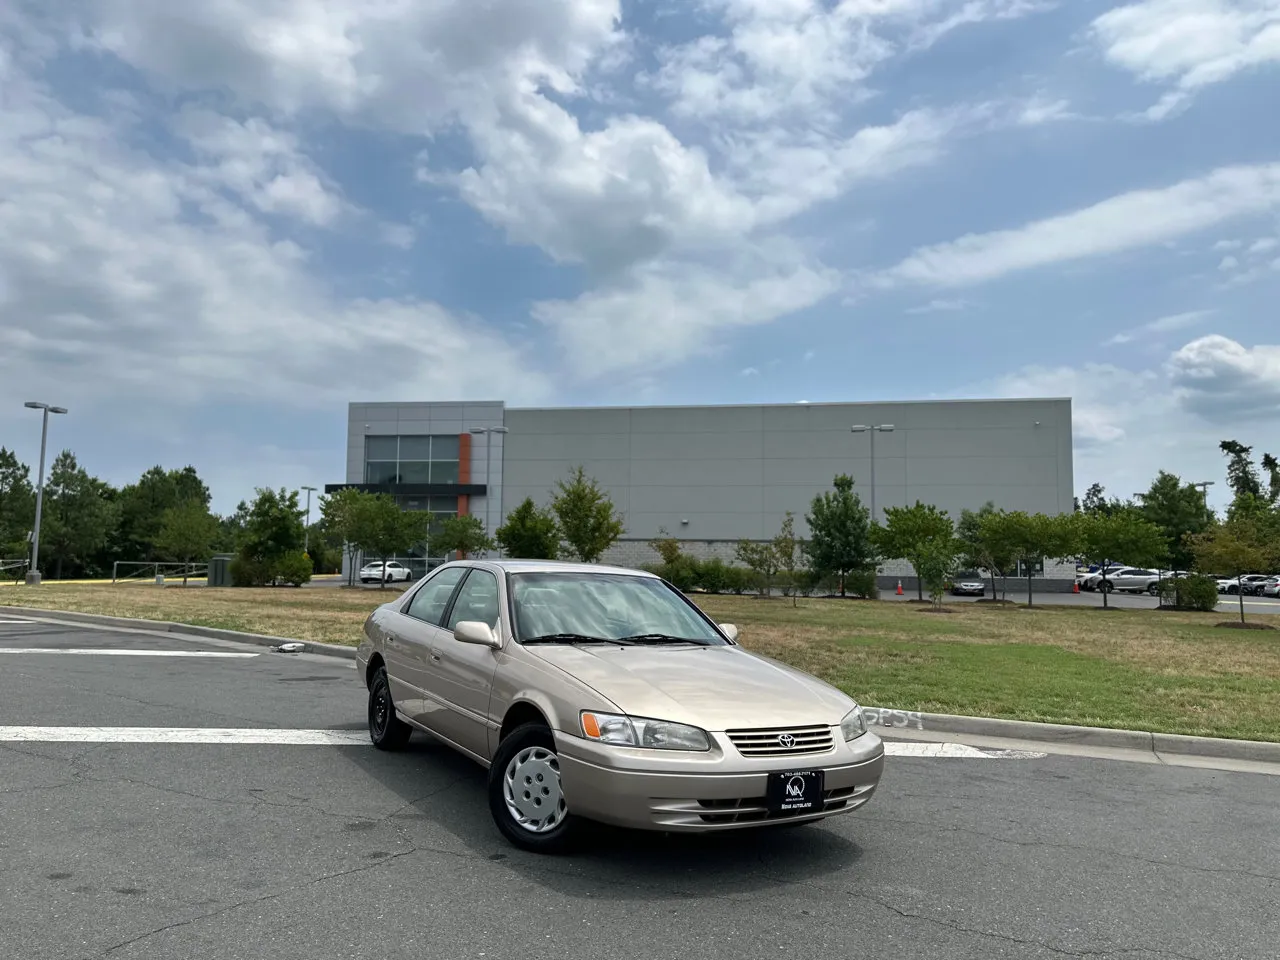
[531,786]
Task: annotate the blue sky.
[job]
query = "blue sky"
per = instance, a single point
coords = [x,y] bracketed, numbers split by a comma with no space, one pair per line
[220,222]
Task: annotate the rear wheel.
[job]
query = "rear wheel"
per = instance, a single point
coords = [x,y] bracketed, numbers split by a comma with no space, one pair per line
[386,730]
[525,795]
[1154,589]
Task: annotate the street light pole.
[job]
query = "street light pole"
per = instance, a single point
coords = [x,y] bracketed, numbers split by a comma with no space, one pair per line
[873,430]
[33,572]
[306,531]
[488,458]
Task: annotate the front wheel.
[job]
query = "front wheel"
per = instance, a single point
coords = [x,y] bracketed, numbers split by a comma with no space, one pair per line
[1154,589]
[386,730]
[525,795]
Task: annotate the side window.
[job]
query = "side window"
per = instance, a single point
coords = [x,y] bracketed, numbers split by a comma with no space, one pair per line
[433,596]
[477,600]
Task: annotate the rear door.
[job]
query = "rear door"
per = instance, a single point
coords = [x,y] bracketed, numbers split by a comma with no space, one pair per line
[412,640]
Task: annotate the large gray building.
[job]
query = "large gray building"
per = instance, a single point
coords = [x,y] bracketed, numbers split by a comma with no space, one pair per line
[713,475]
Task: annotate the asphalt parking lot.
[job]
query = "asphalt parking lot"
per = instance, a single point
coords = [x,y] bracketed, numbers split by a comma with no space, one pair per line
[292,838]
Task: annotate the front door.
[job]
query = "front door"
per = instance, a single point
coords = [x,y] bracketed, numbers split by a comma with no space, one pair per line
[412,643]
[461,676]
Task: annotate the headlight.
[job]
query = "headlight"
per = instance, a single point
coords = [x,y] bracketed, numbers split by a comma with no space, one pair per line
[641,732]
[854,724]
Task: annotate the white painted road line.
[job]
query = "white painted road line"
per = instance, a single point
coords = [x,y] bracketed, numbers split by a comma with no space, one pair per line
[110,652]
[16,621]
[345,738]
[958,751]
[304,738]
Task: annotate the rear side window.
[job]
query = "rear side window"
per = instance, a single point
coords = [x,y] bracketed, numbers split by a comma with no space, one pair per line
[429,602]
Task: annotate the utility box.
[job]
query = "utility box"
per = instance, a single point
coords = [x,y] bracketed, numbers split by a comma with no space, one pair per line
[220,570]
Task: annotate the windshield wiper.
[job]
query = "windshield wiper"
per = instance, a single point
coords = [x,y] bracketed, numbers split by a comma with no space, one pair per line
[573,638]
[662,638]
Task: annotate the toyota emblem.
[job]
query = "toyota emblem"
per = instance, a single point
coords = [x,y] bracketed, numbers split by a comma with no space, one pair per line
[787,740]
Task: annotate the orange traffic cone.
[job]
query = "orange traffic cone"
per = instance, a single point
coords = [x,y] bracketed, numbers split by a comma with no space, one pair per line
[1075,587]
[899,588]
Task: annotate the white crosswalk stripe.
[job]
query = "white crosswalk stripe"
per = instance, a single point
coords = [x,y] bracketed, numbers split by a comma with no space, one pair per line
[113,652]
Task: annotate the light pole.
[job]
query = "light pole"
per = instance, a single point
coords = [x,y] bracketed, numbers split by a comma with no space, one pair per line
[873,430]
[306,531]
[488,456]
[33,572]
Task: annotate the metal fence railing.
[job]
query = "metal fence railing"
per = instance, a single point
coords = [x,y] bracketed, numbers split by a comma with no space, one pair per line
[13,569]
[136,571]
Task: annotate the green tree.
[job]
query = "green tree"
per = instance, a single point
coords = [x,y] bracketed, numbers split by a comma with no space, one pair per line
[529,533]
[979,550]
[1241,475]
[188,531]
[588,521]
[383,530]
[17,506]
[666,546]
[762,559]
[909,531]
[463,535]
[1030,539]
[1178,509]
[341,517]
[271,541]
[839,533]
[231,529]
[142,506]
[78,515]
[935,561]
[1272,466]
[1233,549]
[789,550]
[1103,537]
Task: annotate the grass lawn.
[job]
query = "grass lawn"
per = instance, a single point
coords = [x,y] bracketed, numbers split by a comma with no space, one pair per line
[1141,669]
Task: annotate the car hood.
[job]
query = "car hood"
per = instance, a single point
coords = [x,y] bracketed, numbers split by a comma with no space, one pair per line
[716,688]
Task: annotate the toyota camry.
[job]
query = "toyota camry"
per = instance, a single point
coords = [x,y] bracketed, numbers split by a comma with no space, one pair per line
[599,693]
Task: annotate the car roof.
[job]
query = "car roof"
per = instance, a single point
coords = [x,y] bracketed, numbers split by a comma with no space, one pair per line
[550,566]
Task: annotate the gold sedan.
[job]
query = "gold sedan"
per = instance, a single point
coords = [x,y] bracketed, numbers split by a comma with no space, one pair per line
[600,693]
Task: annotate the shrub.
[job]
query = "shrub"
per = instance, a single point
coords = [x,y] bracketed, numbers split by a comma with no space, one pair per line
[807,581]
[714,575]
[739,580]
[682,573]
[294,568]
[862,583]
[247,572]
[1195,592]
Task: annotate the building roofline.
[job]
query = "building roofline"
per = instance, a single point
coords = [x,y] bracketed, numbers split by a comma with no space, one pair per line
[714,406]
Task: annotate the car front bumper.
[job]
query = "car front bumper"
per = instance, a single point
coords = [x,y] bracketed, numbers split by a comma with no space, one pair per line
[969,589]
[717,790]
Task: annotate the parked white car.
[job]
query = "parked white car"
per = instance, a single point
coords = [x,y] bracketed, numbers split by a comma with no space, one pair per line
[386,572]
[1271,588]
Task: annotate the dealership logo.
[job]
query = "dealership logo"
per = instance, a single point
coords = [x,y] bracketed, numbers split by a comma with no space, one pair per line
[795,787]
[787,740]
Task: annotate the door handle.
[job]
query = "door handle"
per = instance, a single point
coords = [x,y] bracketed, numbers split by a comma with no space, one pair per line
[435,656]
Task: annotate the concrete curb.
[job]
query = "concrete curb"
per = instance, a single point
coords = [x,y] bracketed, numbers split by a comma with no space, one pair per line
[1256,750]
[184,629]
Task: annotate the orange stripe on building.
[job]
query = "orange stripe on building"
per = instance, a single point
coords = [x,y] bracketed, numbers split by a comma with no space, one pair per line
[464,471]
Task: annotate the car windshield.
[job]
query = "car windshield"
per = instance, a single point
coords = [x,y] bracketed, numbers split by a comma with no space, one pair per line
[604,606]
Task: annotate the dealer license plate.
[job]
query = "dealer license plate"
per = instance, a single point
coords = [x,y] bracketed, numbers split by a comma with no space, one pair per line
[795,792]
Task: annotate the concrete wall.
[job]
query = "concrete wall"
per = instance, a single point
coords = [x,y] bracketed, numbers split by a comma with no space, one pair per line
[725,473]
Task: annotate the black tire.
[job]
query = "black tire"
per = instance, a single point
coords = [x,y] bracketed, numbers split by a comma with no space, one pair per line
[1106,586]
[1154,589]
[535,742]
[386,730]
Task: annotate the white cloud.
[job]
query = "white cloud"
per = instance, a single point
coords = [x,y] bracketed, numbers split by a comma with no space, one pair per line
[1264,245]
[155,282]
[940,306]
[750,372]
[664,313]
[1125,222]
[1189,44]
[1040,111]
[1228,263]
[1228,245]
[1165,324]
[1220,378]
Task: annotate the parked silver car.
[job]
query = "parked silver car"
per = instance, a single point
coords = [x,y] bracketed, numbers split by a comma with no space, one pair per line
[605,694]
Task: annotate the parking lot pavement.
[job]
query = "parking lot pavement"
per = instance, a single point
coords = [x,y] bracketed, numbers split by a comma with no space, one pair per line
[312,852]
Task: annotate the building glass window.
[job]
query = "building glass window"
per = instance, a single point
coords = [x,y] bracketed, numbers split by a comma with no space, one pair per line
[413,459]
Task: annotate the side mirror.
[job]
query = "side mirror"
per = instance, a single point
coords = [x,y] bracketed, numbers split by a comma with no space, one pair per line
[729,630]
[474,631]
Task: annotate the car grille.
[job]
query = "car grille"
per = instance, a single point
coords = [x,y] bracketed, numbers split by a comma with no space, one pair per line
[752,809]
[782,741]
